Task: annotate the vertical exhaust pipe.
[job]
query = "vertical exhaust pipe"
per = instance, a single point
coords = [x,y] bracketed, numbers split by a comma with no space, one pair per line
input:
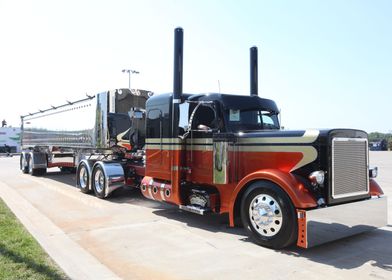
[176,155]
[178,57]
[253,71]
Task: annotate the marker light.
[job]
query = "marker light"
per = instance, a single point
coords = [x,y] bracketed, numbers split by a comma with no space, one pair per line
[373,172]
[317,177]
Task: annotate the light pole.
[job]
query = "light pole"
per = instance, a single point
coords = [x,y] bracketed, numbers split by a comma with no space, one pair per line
[130,71]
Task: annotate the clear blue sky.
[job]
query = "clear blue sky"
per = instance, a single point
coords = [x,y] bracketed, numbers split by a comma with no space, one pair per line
[328,64]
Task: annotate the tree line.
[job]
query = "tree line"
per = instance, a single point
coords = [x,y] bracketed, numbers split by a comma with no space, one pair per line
[384,138]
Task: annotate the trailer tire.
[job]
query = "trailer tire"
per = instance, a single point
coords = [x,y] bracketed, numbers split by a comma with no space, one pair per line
[35,171]
[268,215]
[24,163]
[99,182]
[83,178]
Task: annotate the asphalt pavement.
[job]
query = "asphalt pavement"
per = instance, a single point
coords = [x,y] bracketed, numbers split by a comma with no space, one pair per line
[130,237]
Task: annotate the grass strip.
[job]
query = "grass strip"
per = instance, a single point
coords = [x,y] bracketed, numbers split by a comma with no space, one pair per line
[21,257]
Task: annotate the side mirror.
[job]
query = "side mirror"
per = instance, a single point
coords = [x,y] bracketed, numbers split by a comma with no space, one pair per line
[136,114]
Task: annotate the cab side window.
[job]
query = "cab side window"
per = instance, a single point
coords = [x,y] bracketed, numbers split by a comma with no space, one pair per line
[154,123]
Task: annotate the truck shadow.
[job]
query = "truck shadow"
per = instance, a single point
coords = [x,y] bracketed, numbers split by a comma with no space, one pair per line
[209,222]
[62,177]
[373,247]
[125,195]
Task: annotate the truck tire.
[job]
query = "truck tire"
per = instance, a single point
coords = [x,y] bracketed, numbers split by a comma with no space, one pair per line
[34,171]
[268,215]
[24,163]
[98,180]
[83,178]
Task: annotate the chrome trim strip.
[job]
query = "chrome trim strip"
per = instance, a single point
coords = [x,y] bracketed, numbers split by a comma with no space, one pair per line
[162,191]
[308,137]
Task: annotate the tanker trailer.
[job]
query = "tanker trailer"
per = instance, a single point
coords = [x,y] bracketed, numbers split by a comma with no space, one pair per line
[108,126]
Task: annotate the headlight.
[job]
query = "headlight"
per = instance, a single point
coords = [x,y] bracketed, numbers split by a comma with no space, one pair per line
[317,177]
[373,172]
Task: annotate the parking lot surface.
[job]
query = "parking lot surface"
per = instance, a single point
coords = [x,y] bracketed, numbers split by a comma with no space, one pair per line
[129,237]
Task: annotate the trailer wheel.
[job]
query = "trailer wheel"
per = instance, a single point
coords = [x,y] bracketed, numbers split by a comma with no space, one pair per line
[24,164]
[99,182]
[34,171]
[83,178]
[268,215]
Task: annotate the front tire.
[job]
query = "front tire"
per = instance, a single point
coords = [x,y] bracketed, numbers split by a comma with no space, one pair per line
[268,215]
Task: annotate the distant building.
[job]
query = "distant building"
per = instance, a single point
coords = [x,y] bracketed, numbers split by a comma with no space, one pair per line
[9,139]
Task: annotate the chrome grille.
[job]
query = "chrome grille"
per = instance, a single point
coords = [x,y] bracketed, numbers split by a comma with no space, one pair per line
[349,167]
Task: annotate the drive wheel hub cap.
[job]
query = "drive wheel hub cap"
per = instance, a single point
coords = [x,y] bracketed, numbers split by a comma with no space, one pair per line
[99,181]
[265,215]
[83,177]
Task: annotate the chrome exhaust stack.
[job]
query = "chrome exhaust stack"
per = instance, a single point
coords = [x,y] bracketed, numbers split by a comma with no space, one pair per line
[253,71]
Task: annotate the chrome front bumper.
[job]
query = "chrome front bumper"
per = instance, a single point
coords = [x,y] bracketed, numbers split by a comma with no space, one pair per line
[323,225]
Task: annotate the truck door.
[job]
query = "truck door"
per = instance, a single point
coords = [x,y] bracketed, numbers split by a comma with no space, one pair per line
[158,163]
[199,144]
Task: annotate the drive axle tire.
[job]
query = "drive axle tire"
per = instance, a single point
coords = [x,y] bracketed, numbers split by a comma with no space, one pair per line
[83,178]
[268,215]
[99,183]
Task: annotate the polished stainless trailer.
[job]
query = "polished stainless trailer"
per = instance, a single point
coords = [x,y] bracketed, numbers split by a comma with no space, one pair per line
[92,133]
[80,124]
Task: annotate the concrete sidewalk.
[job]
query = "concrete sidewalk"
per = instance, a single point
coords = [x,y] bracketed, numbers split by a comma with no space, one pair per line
[76,262]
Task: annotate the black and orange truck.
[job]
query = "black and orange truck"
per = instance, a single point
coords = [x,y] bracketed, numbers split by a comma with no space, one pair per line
[214,153]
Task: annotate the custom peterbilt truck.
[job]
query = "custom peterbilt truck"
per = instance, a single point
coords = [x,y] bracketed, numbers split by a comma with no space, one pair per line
[213,153]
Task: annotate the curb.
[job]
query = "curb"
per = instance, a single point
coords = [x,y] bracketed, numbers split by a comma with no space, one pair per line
[76,262]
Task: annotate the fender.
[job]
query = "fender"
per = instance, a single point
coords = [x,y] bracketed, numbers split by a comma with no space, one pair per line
[295,189]
[374,188]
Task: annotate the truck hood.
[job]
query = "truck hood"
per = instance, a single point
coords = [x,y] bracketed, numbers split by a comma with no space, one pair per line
[312,144]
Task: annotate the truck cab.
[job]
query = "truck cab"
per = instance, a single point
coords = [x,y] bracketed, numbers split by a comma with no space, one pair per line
[224,153]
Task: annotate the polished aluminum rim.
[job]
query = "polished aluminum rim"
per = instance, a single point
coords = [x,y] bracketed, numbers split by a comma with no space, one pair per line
[99,180]
[265,215]
[30,165]
[83,177]
[24,163]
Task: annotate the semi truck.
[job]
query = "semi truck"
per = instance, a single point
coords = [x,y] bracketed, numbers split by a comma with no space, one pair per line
[213,153]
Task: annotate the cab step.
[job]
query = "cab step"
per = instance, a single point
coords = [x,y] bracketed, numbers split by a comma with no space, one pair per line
[195,209]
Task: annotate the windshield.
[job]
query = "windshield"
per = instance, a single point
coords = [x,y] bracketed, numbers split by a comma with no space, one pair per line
[251,119]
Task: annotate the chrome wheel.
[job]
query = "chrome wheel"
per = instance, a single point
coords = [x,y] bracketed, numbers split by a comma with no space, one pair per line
[99,180]
[265,215]
[83,177]
[30,164]
[24,162]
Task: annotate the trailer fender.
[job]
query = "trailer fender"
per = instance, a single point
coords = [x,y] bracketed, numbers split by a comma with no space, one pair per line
[295,189]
